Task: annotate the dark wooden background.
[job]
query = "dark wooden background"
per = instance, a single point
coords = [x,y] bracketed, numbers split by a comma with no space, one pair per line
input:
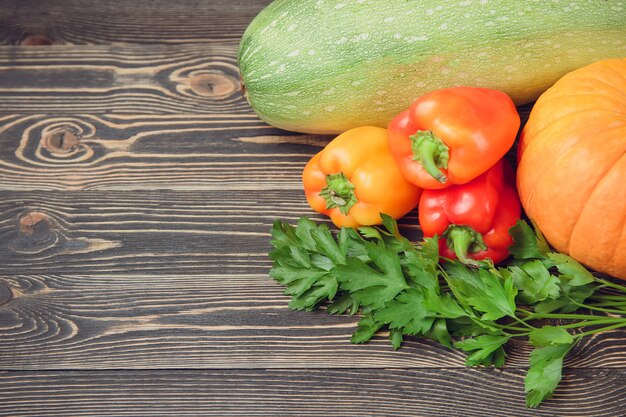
[137,191]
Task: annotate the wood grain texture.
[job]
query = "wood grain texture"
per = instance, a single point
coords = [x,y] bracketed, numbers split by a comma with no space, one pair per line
[118,21]
[158,79]
[296,393]
[89,152]
[167,152]
[209,321]
[135,232]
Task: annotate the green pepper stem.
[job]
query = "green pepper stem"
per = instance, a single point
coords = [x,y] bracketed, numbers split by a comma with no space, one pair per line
[463,240]
[339,192]
[431,152]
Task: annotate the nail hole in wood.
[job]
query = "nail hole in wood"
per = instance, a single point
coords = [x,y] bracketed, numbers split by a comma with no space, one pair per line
[35,40]
[61,140]
[5,294]
[212,85]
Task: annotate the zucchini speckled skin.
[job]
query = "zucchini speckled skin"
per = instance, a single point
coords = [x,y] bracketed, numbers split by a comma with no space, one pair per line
[324,66]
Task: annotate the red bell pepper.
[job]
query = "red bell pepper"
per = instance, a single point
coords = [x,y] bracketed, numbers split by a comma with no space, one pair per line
[451,136]
[472,220]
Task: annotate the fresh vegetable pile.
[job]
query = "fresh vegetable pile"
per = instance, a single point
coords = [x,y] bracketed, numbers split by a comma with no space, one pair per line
[400,285]
[481,276]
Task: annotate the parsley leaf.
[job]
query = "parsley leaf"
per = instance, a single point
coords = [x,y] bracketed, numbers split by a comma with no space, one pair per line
[307,284]
[395,337]
[366,329]
[570,301]
[526,243]
[391,225]
[482,348]
[407,311]
[308,287]
[421,270]
[372,285]
[575,274]
[483,290]
[326,245]
[545,373]
[370,232]
[443,305]
[439,332]
[533,281]
[302,235]
[550,336]
[345,303]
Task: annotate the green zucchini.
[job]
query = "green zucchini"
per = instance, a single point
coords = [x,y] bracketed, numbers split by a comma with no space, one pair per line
[324,66]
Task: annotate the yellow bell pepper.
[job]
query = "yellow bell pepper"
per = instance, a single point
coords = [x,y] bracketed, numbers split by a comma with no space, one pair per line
[355,178]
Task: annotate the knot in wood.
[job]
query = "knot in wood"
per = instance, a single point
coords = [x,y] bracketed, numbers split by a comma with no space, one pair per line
[213,85]
[5,293]
[36,40]
[62,140]
[35,233]
[35,224]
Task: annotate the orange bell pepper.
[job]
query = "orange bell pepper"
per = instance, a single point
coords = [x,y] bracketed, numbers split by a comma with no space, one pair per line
[453,135]
[355,178]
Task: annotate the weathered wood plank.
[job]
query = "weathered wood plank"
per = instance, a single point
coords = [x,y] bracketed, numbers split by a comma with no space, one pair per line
[31,22]
[131,231]
[303,392]
[155,79]
[98,152]
[148,231]
[220,320]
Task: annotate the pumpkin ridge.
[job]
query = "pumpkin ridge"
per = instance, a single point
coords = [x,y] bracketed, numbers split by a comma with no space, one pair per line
[560,157]
[589,198]
[536,205]
[609,252]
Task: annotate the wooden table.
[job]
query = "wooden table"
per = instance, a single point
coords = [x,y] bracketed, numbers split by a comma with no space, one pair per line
[137,191]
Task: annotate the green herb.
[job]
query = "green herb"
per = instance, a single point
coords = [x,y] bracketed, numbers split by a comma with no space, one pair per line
[401,286]
[545,372]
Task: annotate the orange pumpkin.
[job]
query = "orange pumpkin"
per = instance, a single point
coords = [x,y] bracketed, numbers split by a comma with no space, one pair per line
[572,166]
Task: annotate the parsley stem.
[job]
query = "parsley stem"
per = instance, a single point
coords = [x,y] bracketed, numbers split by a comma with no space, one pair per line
[608,297]
[586,323]
[620,306]
[533,316]
[611,284]
[595,308]
[523,322]
[517,328]
[602,329]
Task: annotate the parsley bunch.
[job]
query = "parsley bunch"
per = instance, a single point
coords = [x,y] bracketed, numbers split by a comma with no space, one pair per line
[401,286]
